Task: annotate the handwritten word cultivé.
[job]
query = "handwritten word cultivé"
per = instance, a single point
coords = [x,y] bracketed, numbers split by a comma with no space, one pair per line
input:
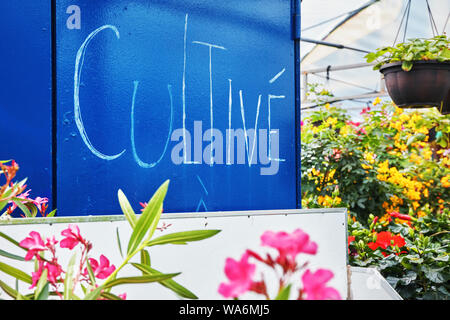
[240,145]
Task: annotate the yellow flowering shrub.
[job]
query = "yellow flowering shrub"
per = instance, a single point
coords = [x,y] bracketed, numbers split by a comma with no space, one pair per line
[394,160]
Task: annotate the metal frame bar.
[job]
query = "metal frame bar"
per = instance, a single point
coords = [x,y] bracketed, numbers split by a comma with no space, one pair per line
[311,105]
[168,216]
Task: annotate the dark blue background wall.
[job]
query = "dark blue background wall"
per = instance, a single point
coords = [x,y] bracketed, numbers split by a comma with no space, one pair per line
[25,91]
[144,70]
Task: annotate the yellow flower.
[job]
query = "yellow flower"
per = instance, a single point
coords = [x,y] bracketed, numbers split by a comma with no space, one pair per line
[345,130]
[421,214]
[445,181]
[331,121]
[427,154]
[376,101]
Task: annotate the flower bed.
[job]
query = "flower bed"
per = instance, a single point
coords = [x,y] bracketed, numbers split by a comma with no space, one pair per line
[392,171]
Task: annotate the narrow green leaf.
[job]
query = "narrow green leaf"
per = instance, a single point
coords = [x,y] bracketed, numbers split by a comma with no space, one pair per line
[68,281]
[16,273]
[3,204]
[110,296]
[141,279]
[51,214]
[9,291]
[41,284]
[44,293]
[145,259]
[94,294]
[4,236]
[119,242]
[183,237]
[169,283]
[148,218]
[90,272]
[23,207]
[127,209]
[284,293]
[10,255]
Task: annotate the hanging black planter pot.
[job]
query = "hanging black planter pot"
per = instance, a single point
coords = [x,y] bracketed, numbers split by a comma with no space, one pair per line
[426,85]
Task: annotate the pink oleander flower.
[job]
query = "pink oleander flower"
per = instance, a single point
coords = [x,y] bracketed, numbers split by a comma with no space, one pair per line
[123,296]
[54,270]
[23,196]
[314,285]
[240,274]
[51,242]
[35,276]
[41,204]
[34,244]
[289,244]
[102,270]
[73,237]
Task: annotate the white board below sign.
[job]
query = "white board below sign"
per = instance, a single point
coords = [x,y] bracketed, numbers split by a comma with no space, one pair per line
[201,263]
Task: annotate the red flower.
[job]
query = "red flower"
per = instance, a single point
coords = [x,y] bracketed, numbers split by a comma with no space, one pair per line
[386,239]
[400,216]
[365,110]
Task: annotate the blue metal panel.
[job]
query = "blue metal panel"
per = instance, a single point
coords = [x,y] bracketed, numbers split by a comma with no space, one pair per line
[137,72]
[25,91]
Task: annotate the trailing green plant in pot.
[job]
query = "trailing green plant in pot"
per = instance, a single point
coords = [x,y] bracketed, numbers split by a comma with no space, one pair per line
[416,72]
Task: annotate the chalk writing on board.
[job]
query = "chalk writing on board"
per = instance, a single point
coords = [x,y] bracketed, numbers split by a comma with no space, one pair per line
[79,61]
[133,143]
[242,141]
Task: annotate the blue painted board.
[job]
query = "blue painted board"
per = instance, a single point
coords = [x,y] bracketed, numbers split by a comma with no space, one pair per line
[136,79]
[25,91]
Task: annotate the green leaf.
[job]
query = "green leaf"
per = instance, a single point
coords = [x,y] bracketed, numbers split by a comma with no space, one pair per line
[51,214]
[44,293]
[10,255]
[9,291]
[170,283]
[145,258]
[148,218]
[182,237]
[119,242]
[90,272]
[22,207]
[41,284]
[127,209]
[110,296]
[141,279]
[16,273]
[284,293]
[68,280]
[434,275]
[94,294]
[407,65]
[4,236]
